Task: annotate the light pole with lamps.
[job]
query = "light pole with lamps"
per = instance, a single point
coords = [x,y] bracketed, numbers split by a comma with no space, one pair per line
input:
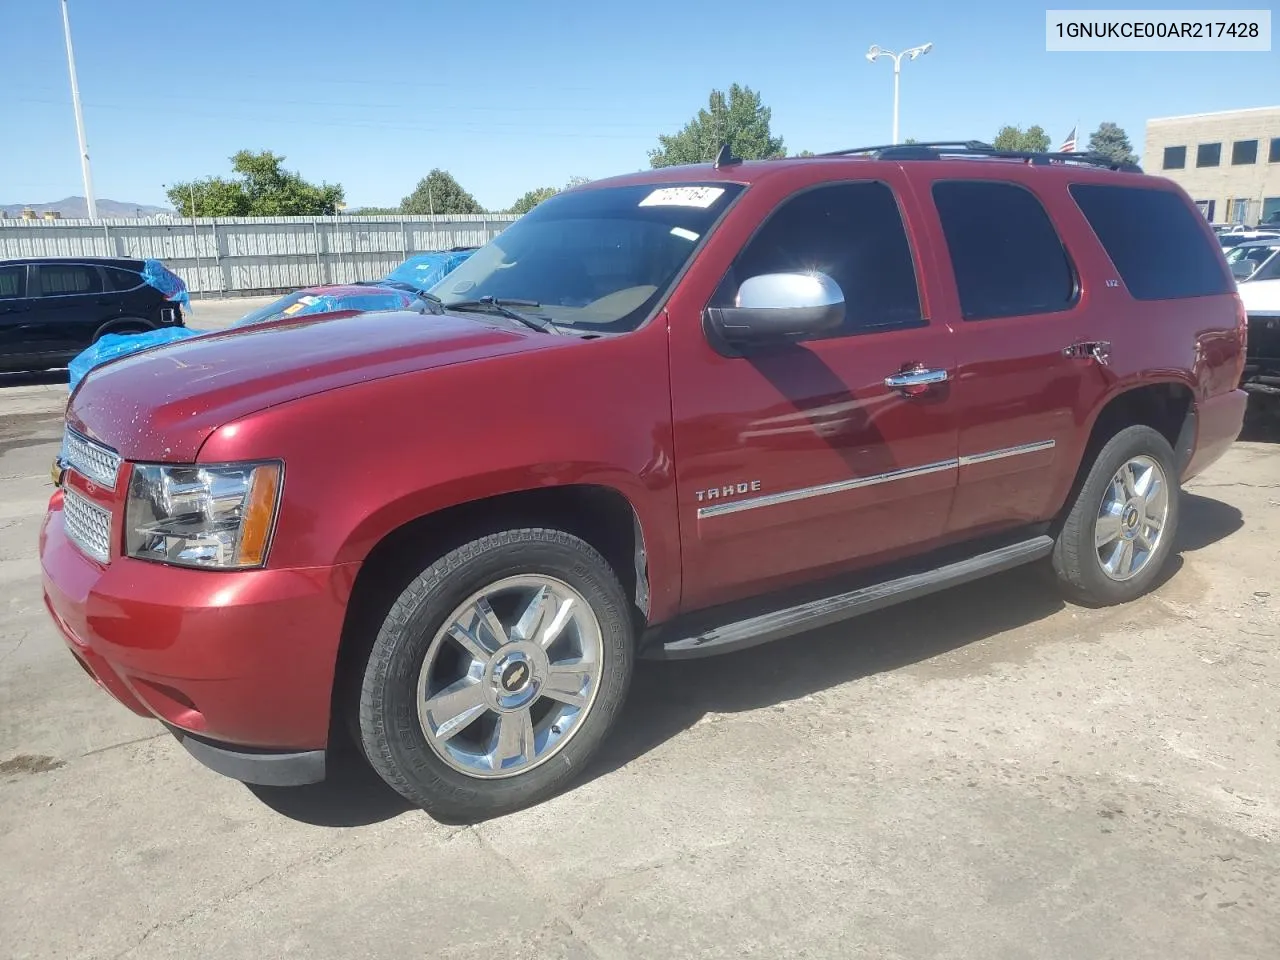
[875,53]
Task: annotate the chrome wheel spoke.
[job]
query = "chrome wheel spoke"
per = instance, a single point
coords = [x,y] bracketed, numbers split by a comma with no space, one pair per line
[513,739]
[1157,500]
[568,682]
[1107,529]
[1128,482]
[478,630]
[455,707]
[533,615]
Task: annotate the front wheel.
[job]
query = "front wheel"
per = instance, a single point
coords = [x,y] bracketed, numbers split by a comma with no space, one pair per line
[1120,530]
[497,674]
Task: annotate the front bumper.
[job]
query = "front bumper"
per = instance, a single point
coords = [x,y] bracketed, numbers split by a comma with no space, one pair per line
[239,664]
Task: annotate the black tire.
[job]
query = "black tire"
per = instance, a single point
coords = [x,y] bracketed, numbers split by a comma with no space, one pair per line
[1075,559]
[123,326]
[390,730]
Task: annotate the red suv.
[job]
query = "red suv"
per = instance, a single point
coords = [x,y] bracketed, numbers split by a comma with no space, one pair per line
[669,414]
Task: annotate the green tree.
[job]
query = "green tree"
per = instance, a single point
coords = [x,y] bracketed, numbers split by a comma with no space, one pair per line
[532,199]
[439,193]
[536,196]
[1111,141]
[1031,140]
[261,188]
[740,120]
[806,153]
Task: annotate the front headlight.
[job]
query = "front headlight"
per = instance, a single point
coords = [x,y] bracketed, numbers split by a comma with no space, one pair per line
[203,516]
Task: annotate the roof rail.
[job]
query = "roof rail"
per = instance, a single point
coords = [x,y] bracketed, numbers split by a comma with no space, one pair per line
[938,149]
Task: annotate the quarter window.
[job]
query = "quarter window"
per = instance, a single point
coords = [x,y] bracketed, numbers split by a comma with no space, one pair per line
[1008,259]
[1152,236]
[1208,154]
[58,279]
[852,232]
[13,282]
[1175,158]
[121,279]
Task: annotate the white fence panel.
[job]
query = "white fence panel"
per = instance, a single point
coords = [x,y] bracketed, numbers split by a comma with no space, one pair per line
[254,255]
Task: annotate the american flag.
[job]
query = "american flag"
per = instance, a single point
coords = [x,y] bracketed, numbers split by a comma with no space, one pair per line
[1069,144]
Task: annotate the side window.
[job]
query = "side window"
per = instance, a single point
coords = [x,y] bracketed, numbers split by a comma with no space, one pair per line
[59,279]
[121,279]
[13,282]
[1008,259]
[1155,241]
[852,232]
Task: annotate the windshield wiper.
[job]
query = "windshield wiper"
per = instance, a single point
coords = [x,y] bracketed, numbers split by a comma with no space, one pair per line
[502,308]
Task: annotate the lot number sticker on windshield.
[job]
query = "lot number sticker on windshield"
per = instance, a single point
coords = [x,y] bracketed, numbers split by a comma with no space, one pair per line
[683,197]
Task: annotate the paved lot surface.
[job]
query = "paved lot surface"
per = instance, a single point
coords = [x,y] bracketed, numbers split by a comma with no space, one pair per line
[986,774]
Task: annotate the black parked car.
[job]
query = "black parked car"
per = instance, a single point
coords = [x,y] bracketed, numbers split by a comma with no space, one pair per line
[52,308]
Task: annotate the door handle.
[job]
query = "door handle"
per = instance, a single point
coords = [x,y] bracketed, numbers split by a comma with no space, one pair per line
[916,380]
[1099,350]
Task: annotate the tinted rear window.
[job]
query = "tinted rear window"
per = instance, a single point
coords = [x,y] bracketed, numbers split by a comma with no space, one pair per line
[13,282]
[1156,241]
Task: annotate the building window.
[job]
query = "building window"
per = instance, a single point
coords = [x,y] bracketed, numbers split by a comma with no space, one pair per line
[1239,211]
[1208,154]
[1270,211]
[1244,151]
[1175,158]
[1206,207]
[1275,150]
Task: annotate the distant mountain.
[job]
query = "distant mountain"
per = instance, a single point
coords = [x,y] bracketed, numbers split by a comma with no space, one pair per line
[73,208]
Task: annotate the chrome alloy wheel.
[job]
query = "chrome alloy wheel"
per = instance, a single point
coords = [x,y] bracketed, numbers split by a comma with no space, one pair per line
[1132,518]
[511,675]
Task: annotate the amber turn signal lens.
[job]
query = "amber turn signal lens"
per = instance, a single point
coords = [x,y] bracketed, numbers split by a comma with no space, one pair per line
[259,514]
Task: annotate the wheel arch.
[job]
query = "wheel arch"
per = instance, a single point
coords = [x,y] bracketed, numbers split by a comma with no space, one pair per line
[1166,405]
[121,324]
[602,515]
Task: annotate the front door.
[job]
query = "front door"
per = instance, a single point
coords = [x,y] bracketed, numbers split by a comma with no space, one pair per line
[14,307]
[802,461]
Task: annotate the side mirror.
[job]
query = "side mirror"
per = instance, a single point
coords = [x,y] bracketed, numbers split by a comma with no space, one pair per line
[778,308]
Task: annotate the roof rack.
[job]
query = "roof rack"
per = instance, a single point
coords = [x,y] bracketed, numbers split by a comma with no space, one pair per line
[938,149]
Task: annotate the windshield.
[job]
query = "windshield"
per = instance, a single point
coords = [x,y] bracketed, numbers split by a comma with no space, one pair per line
[600,259]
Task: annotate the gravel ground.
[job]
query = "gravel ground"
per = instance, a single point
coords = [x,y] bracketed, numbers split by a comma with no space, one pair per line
[986,773]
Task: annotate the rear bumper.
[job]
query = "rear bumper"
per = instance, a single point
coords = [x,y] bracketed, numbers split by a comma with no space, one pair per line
[1219,421]
[244,661]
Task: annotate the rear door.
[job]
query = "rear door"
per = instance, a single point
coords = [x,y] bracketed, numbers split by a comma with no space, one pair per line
[1026,379]
[68,305]
[801,461]
[14,307]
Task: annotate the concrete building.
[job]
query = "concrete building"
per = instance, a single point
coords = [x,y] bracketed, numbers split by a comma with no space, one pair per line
[1229,161]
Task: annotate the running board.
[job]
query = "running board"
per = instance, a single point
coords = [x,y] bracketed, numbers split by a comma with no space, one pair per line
[788,621]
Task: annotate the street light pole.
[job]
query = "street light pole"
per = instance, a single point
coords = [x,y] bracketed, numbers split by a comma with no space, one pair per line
[875,53]
[89,198]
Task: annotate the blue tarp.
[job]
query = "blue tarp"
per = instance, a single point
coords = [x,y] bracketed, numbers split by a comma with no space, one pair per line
[420,272]
[114,345]
[425,270]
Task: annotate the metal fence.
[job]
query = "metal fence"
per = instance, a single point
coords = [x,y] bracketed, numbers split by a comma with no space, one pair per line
[241,256]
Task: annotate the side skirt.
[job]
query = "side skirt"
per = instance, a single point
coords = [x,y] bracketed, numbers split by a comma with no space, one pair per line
[703,636]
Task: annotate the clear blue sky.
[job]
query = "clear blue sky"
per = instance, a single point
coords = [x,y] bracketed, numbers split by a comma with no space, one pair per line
[511,95]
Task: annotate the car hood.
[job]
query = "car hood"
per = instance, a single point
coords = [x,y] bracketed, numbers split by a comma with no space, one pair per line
[1260,296]
[161,404]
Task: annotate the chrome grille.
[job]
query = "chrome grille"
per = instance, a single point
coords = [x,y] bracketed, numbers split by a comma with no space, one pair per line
[88,525]
[89,459]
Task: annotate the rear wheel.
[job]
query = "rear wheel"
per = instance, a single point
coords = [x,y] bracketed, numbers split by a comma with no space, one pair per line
[497,674]
[1120,530]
